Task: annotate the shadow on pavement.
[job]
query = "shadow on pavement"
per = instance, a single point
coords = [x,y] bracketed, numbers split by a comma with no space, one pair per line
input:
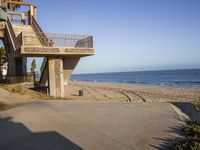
[16,136]
[188,109]
[167,142]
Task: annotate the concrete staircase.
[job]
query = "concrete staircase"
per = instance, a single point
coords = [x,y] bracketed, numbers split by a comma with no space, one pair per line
[31,33]
[62,53]
[23,28]
[16,65]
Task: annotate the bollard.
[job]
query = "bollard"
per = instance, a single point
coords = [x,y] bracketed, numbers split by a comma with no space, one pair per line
[80,92]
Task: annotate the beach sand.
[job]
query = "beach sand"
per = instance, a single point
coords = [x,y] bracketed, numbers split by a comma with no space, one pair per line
[129,93]
[93,91]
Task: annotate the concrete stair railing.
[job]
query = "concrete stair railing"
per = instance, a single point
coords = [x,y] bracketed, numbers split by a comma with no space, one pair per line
[15,39]
[40,34]
[11,34]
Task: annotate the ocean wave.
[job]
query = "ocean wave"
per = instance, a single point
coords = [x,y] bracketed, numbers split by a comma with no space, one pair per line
[174,78]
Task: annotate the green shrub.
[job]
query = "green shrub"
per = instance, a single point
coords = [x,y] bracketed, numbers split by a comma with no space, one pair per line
[187,144]
[192,140]
[192,130]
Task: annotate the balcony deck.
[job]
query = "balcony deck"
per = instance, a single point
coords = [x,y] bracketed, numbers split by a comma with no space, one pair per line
[47,44]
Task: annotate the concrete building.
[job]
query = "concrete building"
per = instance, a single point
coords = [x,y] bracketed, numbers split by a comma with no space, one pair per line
[23,37]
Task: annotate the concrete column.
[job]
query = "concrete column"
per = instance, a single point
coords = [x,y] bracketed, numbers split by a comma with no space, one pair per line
[69,65]
[55,71]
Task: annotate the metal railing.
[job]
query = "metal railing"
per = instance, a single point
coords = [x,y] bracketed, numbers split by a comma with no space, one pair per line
[26,77]
[70,40]
[19,18]
[19,21]
[39,38]
[57,40]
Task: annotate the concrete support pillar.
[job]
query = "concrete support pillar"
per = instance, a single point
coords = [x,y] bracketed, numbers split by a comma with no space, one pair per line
[69,65]
[11,64]
[55,69]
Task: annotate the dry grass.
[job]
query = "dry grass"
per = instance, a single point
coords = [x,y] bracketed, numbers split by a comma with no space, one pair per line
[3,106]
[25,90]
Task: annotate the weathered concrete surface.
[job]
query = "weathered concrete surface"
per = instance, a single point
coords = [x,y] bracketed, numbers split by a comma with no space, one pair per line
[69,65]
[59,70]
[88,126]
[55,51]
[56,84]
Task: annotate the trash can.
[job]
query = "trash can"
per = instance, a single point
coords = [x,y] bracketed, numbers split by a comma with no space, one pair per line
[80,92]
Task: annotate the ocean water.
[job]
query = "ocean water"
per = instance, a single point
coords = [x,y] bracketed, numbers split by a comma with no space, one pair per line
[187,78]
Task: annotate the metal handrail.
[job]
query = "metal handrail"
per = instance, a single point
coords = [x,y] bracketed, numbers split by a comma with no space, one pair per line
[19,17]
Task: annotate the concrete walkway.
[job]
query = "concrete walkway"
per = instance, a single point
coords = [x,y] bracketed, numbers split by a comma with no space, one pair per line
[63,125]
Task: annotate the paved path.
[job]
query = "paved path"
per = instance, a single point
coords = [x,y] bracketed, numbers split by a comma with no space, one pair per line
[90,126]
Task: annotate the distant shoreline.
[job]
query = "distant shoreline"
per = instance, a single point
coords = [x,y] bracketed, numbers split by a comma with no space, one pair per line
[136,71]
[132,84]
[168,78]
[140,85]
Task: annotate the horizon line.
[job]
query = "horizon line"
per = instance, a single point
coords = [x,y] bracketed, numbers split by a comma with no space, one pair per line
[135,71]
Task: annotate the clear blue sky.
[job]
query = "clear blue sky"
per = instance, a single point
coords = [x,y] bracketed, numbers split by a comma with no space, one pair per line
[129,35]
